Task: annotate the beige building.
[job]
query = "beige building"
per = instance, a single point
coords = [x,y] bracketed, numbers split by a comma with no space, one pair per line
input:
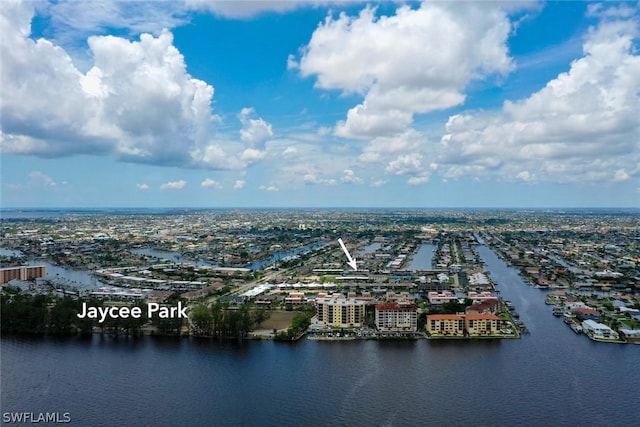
[445,324]
[463,324]
[295,298]
[482,324]
[25,272]
[340,312]
[396,317]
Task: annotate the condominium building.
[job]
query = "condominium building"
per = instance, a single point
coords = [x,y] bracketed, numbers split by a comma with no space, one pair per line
[25,272]
[481,324]
[295,298]
[462,324]
[439,298]
[396,317]
[445,324]
[340,312]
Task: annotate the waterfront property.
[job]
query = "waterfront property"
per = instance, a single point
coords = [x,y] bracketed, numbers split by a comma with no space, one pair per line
[595,330]
[396,317]
[445,325]
[340,312]
[25,272]
[481,324]
[463,325]
[488,306]
[630,335]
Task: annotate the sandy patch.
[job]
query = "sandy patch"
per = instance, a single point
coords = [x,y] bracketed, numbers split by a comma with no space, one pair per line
[279,320]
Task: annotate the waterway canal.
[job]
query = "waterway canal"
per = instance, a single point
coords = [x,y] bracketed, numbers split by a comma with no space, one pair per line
[550,377]
[422,258]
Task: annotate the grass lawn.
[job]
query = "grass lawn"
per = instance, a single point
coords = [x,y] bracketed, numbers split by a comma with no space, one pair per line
[631,324]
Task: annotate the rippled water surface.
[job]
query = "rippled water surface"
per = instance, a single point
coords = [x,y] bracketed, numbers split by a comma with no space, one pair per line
[550,377]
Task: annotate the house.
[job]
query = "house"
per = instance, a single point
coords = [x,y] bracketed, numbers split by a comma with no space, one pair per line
[478,297]
[439,298]
[489,306]
[631,335]
[598,331]
[584,313]
[575,304]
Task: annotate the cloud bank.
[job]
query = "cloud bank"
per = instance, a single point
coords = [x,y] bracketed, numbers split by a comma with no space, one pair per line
[136,103]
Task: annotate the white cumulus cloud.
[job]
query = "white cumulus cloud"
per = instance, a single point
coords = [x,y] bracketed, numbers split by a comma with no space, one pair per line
[289,152]
[405,164]
[414,61]
[174,185]
[251,155]
[39,179]
[621,175]
[254,131]
[417,180]
[136,102]
[210,183]
[582,126]
[312,179]
[349,177]
[270,188]
[244,9]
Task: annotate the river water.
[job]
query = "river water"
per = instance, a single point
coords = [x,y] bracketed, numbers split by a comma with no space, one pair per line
[80,279]
[550,377]
[422,259]
[173,256]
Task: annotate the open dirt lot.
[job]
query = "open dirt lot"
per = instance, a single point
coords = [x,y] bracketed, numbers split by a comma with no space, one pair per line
[279,319]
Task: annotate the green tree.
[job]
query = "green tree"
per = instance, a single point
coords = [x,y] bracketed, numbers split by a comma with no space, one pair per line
[62,316]
[201,320]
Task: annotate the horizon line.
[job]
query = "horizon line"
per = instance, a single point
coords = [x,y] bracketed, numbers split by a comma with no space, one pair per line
[310,207]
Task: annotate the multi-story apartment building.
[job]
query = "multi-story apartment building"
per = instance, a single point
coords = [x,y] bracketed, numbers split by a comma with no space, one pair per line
[445,324]
[462,324]
[25,272]
[295,298]
[340,312]
[439,298]
[396,317]
[481,324]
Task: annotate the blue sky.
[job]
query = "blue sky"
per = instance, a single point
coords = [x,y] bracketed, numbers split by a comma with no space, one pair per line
[319,104]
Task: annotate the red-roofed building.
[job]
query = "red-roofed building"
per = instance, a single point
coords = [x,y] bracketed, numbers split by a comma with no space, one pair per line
[462,324]
[481,324]
[489,306]
[445,324]
[396,317]
[584,313]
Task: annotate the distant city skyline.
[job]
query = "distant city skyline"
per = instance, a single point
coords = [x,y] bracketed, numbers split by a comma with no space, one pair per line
[319,104]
